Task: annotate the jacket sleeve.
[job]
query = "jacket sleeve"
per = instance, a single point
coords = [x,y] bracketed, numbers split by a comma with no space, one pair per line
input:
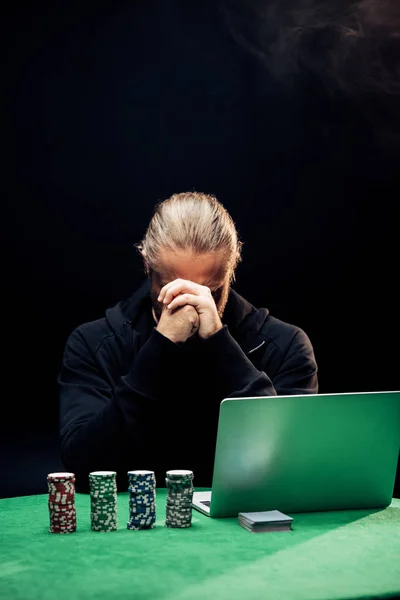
[99,425]
[236,376]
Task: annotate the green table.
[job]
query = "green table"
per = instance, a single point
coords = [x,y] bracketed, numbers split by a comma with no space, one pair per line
[347,554]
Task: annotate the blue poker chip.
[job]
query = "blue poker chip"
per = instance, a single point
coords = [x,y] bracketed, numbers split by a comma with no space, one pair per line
[142,500]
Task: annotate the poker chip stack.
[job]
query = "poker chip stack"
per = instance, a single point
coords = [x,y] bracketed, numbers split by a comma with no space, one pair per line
[142,500]
[62,502]
[103,500]
[179,498]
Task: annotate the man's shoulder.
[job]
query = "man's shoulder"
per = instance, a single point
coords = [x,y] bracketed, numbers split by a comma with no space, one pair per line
[282,334]
[91,334]
[94,328]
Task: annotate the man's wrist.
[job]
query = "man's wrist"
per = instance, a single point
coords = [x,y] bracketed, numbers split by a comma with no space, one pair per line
[169,336]
[214,331]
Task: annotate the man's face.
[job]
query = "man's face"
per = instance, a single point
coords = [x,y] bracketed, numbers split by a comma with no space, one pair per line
[204,269]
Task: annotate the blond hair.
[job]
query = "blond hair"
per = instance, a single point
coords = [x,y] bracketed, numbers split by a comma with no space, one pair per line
[191,222]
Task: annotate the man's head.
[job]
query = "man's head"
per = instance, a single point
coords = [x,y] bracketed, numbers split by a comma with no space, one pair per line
[191,236]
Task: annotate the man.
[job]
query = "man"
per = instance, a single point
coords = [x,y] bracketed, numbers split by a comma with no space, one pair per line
[141,387]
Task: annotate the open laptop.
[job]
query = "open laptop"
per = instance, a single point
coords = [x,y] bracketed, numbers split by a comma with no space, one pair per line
[304,453]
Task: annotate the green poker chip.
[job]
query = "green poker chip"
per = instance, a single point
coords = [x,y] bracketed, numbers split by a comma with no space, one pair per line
[103,501]
[179,499]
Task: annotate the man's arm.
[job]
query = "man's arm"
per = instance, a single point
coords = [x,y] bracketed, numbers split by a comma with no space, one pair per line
[99,426]
[232,373]
[236,376]
[298,371]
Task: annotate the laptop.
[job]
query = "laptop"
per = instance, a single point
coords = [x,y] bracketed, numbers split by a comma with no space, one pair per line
[304,453]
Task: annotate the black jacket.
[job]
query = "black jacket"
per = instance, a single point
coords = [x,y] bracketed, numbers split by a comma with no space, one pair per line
[132,399]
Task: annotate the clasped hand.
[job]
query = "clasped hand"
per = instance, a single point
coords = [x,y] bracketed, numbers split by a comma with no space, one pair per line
[181,292]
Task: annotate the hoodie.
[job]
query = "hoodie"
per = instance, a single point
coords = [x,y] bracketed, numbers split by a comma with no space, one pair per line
[130,398]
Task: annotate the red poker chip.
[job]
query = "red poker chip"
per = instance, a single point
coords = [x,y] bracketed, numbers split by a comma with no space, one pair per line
[61,476]
[61,502]
[60,507]
[61,496]
[57,482]
[61,489]
[62,513]
[61,486]
[71,521]
[59,522]
[54,517]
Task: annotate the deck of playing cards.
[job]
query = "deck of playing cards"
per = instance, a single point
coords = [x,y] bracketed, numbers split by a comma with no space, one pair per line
[267,520]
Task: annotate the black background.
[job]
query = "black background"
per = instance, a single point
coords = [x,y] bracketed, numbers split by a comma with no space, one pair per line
[111,109]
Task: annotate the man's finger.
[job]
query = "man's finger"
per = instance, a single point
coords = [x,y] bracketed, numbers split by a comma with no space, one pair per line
[184,299]
[164,290]
[167,294]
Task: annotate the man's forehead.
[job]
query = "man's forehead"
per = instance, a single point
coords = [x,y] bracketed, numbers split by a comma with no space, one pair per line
[203,269]
[164,278]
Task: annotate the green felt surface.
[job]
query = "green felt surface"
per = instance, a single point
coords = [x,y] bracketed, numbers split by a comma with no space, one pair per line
[344,554]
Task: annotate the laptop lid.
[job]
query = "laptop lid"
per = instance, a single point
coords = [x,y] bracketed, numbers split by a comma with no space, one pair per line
[306,453]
